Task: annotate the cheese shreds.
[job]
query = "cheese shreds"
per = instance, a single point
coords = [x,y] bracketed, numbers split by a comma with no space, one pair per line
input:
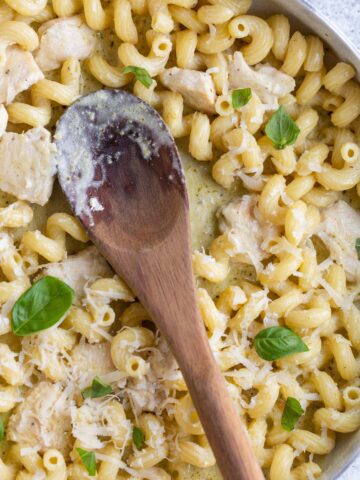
[247,363]
[212,70]
[255,183]
[283,245]
[111,460]
[325,264]
[312,397]
[343,302]
[101,332]
[212,30]
[25,451]
[263,373]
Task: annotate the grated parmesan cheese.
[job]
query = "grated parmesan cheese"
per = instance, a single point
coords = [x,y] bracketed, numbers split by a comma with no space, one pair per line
[212,30]
[212,70]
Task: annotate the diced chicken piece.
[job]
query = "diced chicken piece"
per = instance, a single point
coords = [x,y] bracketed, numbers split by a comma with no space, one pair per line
[42,420]
[77,269]
[266,81]
[197,88]
[17,73]
[340,229]
[27,165]
[145,394]
[247,234]
[61,39]
[89,361]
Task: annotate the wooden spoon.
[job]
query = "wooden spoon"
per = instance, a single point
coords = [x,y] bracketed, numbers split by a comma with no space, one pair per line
[120,170]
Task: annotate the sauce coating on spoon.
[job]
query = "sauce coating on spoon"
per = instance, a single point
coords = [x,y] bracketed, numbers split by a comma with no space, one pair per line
[97,132]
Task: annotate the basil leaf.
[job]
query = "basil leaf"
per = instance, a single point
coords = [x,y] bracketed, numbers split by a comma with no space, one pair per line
[2,430]
[281,129]
[240,97]
[97,389]
[276,342]
[41,306]
[138,437]
[291,414]
[89,461]
[140,74]
[357,246]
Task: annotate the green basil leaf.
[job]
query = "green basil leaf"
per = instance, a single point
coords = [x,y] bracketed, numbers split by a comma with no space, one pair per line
[140,74]
[2,430]
[41,306]
[97,389]
[89,461]
[291,414]
[276,342]
[281,129]
[357,246]
[240,97]
[138,437]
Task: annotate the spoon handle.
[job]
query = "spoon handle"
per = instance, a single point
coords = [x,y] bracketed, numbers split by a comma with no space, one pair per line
[169,296]
[223,427]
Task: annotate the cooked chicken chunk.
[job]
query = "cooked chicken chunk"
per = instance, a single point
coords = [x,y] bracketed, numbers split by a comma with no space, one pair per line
[17,73]
[43,419]
[340,229]
[89,361]
[61,39]
[197,88]
[77,269]
[27,165]
[247,234]
[266,81]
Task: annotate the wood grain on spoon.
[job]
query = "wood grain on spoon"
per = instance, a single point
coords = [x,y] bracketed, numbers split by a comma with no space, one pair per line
[120,170]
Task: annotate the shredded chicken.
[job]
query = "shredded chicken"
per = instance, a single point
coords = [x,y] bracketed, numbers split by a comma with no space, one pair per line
[266,81]
[89,361]
[17,73]
[197,88]
[27,165]
[245,231]
[77,269]
[42,421]
[61,39]
[339,230]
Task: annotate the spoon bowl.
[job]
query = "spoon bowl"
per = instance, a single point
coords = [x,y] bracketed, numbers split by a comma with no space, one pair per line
[111,151]
[121,172]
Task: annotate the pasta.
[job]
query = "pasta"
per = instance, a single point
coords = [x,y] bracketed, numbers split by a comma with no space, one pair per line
[270,248]
[280,27]
[295,54]
[212,44]
[107,74]
[260,33]
[27,8]
[97,17]
[39,113]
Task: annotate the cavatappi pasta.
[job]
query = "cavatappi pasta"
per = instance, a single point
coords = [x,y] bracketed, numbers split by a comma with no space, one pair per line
[274,234]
